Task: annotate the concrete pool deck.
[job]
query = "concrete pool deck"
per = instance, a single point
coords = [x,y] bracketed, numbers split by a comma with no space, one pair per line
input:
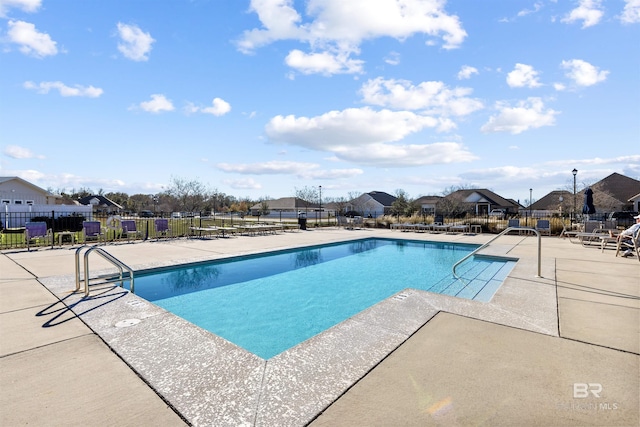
[562,349]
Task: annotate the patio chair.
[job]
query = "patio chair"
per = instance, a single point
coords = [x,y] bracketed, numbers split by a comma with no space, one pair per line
[633,244]
[162,227]
[129,229]
[592,232]
[543,226]
[92,230]
[514,223]
[37,231]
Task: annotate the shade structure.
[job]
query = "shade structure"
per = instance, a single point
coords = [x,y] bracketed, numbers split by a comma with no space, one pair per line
[588,207]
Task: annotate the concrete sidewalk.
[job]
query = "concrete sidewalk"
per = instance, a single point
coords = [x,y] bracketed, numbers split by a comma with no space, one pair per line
[455,370]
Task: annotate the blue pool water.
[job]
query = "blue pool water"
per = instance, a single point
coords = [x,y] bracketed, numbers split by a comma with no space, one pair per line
[269,303]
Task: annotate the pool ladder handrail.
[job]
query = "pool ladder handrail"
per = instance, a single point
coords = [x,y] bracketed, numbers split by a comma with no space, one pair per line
[505,231]
[106,255]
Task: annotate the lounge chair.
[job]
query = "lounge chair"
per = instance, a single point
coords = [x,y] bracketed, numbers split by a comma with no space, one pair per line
[92,230]
[543,226]
[162,227]
[633,244]
[36,231]
[514,223]
[438,225]
[459,228]
[129,229]
[591,232]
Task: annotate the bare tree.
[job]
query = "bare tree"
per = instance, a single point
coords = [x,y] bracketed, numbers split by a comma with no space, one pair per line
[341,204]
[190,195]
[308,196]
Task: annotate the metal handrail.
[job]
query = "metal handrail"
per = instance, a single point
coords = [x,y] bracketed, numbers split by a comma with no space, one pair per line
[106,255]
[505,231]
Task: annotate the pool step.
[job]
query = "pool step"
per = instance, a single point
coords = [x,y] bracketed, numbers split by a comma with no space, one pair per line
[480,280]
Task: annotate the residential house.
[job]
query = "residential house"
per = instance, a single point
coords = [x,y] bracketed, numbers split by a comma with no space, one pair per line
[17,191]
[635,202]
[288,207]
[428,204]
[101,204]
[373,204]
[616,192]
[21,201]
[558,202]
[479,201]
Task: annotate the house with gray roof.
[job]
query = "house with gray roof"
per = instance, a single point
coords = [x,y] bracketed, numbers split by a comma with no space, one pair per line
[372,204]
[556,202]
[101,204]
[478,201]
[616,192]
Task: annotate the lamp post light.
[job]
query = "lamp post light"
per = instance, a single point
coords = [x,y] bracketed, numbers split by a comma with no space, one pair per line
[574,172]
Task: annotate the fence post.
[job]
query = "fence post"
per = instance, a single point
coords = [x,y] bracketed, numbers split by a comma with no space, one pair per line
[53,228]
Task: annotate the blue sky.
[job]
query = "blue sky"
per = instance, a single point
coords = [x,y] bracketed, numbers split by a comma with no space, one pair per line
[258,98]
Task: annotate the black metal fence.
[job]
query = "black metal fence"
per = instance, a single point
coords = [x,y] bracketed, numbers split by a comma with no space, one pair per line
[67,229]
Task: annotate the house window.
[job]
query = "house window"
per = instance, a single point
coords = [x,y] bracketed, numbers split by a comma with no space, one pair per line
[6,201]
[29,202]
[17,202]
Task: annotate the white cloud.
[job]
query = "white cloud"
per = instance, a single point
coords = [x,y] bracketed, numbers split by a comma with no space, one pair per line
[353,126]
[29,6]
[393,58]
[432,97]
[135,44]
[157,104]
[536,7]
[529,114]
[631,12]
[583,73]
[243,184]
[31,41]
[588,11]
[559,87]
[280,21]
[322,63]
[267,168]
[366,136]
[17,152]
[219,107]
[334,29]
[397,155]
[523,76]
[466,72]
[299,169]
[64,90]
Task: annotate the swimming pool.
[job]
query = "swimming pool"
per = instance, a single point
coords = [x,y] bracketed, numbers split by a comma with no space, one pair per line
[271,302]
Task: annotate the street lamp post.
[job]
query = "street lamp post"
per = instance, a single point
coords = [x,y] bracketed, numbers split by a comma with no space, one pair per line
[574,172]
[530,201]
[320,207]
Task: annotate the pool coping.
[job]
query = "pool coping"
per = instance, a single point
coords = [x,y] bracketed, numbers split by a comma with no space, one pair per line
[210,381]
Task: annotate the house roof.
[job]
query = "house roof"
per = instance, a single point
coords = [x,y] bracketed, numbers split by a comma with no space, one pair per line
[385,199]
[552,200]
[489,195]
[620,187]
[4,179]
[428,199]
[98,200]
